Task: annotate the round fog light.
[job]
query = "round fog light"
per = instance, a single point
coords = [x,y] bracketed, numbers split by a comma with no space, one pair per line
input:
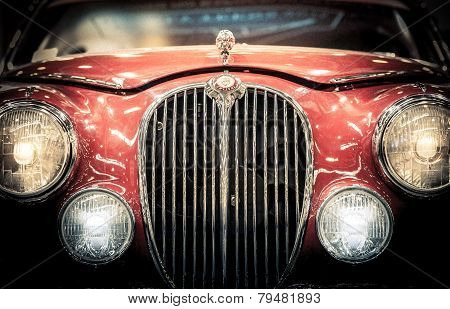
[96,226]
[354,225]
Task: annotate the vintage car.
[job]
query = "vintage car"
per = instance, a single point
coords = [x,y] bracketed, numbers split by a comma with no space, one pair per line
[210,144]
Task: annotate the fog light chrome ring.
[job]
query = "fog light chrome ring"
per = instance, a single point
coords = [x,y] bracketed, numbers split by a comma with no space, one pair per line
[356,223]
[96,226]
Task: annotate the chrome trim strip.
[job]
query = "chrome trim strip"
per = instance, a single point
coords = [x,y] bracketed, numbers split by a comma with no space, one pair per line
[224,150]
[377,142]
[277,233]
[163,181]
[245,189]
[155,117]
[174,179]
[301,226]
[255,259]
[266,201]
[73,78]
[364,76]
[286,180]
[194,228]
[72,144]
[236,190]
[213,194]
[205,134]
[184,181]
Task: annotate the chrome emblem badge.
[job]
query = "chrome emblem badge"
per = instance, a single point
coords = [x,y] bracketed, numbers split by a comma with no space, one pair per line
[225,83]
[225,89]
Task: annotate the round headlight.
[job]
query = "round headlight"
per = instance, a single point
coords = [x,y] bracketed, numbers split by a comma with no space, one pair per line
[36,148]
[354,225]
[412,142]
[96,226]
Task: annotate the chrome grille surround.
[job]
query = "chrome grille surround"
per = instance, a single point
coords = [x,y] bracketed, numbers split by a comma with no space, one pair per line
[148,206]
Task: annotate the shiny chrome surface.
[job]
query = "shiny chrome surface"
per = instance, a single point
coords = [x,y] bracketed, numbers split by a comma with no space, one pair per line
[66,124]
[361,77]
[377,147]
[245,159]
[69,201]
[163,184]
[174,183]
[225,41]
[286,179]
[194,228]
[255,245]
[371,192]
[266,206]
[236,194]
[248,243]
[75,78]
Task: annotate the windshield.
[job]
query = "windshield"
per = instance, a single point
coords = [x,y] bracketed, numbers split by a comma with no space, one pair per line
[98,27]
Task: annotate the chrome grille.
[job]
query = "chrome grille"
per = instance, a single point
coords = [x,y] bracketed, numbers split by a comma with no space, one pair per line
[254,242]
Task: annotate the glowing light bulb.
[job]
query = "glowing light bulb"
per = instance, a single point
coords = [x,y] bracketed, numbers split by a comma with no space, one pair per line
[427,146]
[97,230]
[354,227]
[24,153]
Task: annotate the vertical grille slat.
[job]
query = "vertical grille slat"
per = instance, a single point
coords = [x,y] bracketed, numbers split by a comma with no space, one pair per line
[275,143]
[213,193]
[255,246]
[194,205]
[185,112]
[286,181]
[297,202]
[245,195]
[174,182]
[236,190]
[232,215]
[205,186]
[266,205]
[163,181]
[154,170]
[224,158]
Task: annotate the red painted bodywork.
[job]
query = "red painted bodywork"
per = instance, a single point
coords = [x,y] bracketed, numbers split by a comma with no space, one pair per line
[107,124]
[134,68]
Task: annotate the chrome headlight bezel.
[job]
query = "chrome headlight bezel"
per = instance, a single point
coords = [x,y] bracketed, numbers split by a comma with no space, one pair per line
[67,127]
[66,246]
[333,194]
[379,155]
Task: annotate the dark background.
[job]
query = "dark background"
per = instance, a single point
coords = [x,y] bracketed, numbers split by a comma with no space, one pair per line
[9,19]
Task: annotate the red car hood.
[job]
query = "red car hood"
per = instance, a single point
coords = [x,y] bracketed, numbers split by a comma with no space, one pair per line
[133,69]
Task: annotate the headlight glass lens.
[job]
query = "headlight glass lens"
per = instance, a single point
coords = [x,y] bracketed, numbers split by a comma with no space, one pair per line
[34,150]
[96,226]
[354,225]
[416,147]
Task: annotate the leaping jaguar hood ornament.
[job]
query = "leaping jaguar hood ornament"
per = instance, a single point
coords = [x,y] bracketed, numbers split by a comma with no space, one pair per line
[225,42]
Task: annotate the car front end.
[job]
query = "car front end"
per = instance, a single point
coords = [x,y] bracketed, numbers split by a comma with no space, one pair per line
[217,166]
